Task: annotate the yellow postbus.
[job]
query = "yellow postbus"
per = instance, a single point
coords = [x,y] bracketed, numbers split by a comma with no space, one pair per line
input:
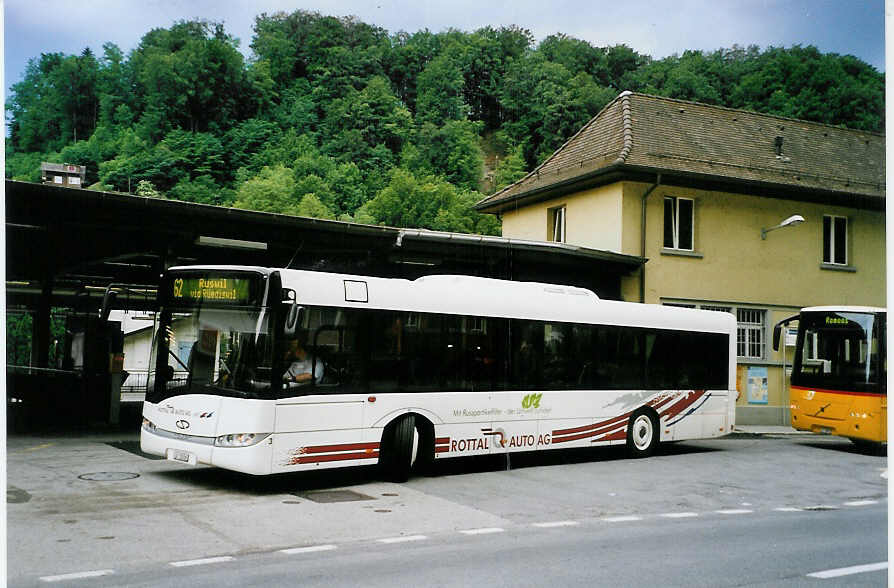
[839,371]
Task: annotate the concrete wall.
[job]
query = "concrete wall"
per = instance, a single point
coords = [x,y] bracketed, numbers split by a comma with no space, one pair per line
[733,263]
[593,218]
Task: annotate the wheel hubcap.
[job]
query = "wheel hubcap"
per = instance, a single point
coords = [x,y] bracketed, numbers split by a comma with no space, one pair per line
[642,432]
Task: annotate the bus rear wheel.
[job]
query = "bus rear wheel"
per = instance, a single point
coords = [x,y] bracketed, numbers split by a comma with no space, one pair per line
[642,433]
[399,448]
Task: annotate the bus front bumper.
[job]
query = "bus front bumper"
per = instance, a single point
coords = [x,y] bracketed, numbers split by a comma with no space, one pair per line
[254,459]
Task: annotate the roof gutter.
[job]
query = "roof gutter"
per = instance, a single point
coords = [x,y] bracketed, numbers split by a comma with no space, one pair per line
[438,236]
[642,233]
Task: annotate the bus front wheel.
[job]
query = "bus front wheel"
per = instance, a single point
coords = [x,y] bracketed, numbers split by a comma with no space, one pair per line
[399,448]
[642,433]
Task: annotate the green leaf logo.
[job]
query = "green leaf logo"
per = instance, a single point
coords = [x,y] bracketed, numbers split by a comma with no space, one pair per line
[531,401]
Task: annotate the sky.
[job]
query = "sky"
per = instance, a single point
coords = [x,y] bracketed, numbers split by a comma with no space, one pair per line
[653,27]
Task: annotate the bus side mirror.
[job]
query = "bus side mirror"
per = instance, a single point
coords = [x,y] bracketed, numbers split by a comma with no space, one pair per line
[777,331]
[293,316]
[169,373]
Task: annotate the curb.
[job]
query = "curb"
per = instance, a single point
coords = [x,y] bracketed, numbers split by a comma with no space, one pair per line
[766,432]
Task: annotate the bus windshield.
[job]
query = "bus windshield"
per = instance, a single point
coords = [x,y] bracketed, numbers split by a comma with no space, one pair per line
[221,351]
[838,351]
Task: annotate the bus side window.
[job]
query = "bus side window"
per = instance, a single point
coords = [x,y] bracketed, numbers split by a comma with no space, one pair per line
[527,354]
[337,346]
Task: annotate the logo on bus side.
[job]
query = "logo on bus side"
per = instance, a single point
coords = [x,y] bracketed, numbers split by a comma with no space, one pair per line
[532,400]
[493,438]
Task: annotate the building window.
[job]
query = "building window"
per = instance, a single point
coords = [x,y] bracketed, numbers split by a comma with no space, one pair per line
[750,338]
[678,223]
[57,179]
[557,224]
[74,181]
[835,239]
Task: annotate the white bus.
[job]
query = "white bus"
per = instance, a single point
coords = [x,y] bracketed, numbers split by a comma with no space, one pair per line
[401,373]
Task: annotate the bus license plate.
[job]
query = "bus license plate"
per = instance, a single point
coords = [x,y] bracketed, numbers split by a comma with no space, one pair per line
[182,456]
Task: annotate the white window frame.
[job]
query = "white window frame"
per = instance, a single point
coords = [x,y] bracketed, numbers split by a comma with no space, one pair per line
[832,218]
[675,235]
[557,220]
[751,334]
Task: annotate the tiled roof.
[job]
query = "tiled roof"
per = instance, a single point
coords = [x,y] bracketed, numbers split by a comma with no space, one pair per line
[642,133]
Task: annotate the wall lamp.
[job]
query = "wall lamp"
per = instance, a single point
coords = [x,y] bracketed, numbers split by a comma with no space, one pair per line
[795,219]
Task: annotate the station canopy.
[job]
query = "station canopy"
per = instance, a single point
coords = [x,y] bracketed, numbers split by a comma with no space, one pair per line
[66,247]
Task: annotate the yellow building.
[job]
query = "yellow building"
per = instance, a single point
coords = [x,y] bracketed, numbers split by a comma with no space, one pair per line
[700,191]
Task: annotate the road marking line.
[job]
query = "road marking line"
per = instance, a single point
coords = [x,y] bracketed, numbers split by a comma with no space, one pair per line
[860,502]
[621,519]
[309,549]
[787,509]
[837,573]
[201,562]
[732,511]
[484,531]
[556,524]
[679,515]
[403,539]
[77,575]
[37,447]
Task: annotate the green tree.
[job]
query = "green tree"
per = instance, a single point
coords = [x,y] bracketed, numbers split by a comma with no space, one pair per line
[576,56]
[147,189]
[56,102]
[363,121]
[201,189]
[509,169]
[272,190]
[23,166]
[427,202]
[452,151]
[409,55]
[192,77]
[242,143]
[440,93]
[311,206]
[335,54]
[547,104]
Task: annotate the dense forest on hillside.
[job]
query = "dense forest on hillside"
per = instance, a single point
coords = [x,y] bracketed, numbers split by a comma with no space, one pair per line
[335,118]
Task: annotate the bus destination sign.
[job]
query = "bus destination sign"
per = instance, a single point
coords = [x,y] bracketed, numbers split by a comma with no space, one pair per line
[212,289]
[836,321]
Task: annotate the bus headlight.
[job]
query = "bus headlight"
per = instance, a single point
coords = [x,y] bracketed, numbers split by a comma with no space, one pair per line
[240,439]
[148,425]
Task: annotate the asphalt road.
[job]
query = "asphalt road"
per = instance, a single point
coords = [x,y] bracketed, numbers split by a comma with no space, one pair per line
[711,550]
[742,511]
